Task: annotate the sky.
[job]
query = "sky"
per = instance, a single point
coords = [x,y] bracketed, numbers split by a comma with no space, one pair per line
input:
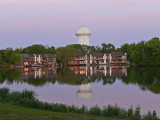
[53,22]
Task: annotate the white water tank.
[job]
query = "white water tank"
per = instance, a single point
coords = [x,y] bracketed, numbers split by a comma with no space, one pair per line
[83,35]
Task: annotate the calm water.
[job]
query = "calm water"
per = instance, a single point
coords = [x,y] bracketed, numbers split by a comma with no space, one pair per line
[90,85]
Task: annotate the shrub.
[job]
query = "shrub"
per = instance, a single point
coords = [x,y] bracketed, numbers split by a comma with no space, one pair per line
[137,114]
[73,109]
[59,108]
[3,93]
[130,112]
[83,109]
[28,94]
[151,116]
[111,111]
[95,110]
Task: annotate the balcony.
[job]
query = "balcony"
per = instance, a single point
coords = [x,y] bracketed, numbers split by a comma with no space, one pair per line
[79,59]
[26,60]
[119,62]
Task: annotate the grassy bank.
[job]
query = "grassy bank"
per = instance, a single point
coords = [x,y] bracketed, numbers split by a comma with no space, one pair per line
[27,99]
[11,112]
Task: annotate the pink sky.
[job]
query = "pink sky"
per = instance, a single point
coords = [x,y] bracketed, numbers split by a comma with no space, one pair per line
[52,22]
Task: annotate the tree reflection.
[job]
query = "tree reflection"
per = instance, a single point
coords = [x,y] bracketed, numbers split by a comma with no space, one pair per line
[108,80]
[66,76]
[9,76]
[145,78]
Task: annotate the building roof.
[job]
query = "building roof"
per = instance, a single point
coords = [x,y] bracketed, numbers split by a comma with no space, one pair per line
[80,54]
[93,54]
[37,55]
[25,55]
[50,55]
[97,54]
[117,54]
[31,55]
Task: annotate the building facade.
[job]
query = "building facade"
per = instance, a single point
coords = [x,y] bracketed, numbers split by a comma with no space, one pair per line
[118,58]
[38,60]
[94,59]
[114,58]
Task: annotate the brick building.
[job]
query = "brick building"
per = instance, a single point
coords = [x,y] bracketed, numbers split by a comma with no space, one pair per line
[38,60]
[114,58]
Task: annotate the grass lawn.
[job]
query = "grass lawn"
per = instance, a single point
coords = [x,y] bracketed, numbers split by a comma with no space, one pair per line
[11,112]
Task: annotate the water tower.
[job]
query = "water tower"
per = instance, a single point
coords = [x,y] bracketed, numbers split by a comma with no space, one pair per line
[83,35]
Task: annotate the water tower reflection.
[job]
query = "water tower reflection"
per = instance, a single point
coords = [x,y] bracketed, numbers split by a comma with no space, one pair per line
[84,90]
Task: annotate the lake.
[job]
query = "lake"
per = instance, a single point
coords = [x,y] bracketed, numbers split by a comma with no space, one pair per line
[101,85]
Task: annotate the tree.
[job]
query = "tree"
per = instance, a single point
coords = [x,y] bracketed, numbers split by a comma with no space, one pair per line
[84,48]
[51,50]
[35,49]
[124,48]
[154,47]
[0,59]
[39,49]
[108,48]
[65,54]
[15,58]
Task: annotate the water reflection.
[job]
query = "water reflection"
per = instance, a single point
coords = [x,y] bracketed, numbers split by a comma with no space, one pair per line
[100,85]
[88,74]
[84,91]
[99,71]
[38,72]
[145,78]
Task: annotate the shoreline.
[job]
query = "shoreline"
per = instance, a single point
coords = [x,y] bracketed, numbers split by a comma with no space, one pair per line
[27,99]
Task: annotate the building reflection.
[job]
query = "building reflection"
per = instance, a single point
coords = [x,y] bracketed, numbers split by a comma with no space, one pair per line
[79,71]
[38,72]
[99,70]
[87,75]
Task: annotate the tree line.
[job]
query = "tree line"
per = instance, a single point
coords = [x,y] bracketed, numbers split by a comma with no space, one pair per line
[144,53]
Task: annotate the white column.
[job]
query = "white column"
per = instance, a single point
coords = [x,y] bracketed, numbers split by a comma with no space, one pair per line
[39,73]
[105,71]
[110,57]
[34,58]
[124,70]
[86,71]
[86,59]
[35,73]
[110,71]
[90,59]
[39,59]
[105,58]
[126,55]
[91,70]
